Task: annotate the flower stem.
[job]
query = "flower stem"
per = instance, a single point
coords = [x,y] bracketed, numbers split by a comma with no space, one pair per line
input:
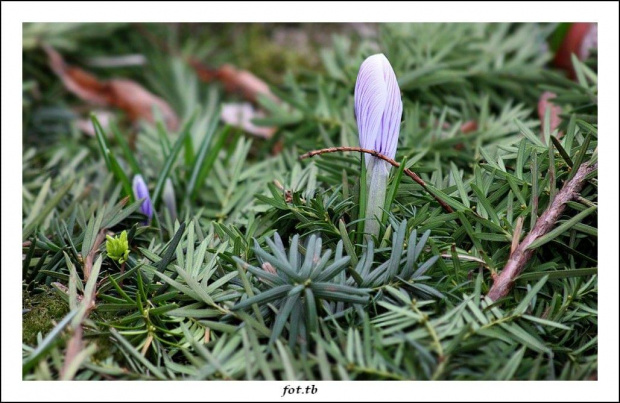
[376,179]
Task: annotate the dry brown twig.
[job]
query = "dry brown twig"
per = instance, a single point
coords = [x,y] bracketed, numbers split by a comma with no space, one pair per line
[90,258]
[390,161]
[75,344]
[521,255]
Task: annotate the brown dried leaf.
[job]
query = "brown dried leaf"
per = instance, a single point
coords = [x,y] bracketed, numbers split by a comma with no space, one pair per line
[269,268]
[104,117]
[579,40]
[243,82]
[467,127]
[543,105]
[138,102]
[241,114]
[127,95]
[234,80]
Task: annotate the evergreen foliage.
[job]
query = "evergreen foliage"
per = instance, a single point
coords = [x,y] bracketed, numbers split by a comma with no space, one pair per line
[265,273]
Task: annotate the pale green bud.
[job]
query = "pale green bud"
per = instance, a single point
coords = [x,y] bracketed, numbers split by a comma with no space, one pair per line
[118,247]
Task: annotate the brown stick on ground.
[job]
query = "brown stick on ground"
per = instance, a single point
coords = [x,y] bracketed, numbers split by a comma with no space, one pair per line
[90,258]
[521,255]
[75,345]
[390,161]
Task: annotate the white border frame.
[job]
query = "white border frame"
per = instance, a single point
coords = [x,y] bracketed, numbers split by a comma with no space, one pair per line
[13,14]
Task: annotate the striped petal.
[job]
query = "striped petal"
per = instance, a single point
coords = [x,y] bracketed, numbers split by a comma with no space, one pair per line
[378,107]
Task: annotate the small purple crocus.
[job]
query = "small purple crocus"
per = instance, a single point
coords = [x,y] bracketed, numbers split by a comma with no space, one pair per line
[378,110]
[141,191]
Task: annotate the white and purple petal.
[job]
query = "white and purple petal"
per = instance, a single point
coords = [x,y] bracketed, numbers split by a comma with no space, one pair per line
[378,106]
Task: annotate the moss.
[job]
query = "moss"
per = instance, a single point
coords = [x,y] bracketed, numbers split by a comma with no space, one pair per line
[270,50]
[45,309]
[106,347]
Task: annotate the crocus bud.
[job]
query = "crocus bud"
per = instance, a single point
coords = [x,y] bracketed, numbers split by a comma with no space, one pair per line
[169,199]
[141,191]
[378,110]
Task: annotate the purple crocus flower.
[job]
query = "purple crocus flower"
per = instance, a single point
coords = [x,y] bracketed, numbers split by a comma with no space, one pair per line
[141,191]
[378,110]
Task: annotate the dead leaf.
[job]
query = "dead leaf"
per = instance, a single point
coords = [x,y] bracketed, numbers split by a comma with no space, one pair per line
[124,94]
[244,82]
[269,268]
[138,102]
[104,117]
[543,105]
[580,39]
[241,114]
[237,81]
[247,85]
[467,127]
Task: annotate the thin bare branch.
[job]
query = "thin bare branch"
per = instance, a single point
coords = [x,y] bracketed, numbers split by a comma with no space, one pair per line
[90,258]
[390,161]
[521,255]
[76,344]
